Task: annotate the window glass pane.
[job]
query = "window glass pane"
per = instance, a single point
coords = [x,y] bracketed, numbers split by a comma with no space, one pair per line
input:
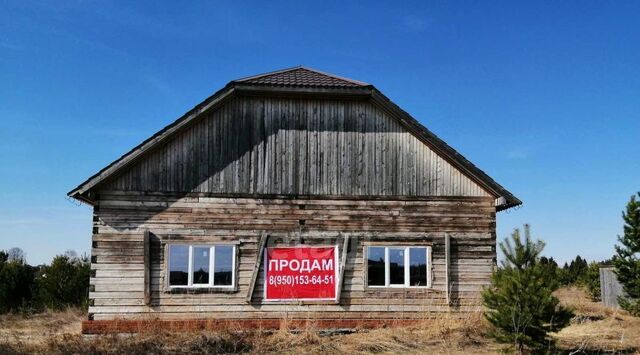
[178,265]
[201,265]
[418,266]
[396,266]
[375,266]
[223,268]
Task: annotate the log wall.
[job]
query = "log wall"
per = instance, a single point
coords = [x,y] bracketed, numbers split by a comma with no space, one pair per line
[122,217]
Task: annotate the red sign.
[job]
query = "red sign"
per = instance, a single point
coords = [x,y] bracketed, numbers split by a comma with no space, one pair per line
[300,273]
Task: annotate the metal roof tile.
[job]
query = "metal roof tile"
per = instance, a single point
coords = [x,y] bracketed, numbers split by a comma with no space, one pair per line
[302,77]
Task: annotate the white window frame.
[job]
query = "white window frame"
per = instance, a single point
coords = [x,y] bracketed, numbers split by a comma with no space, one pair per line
[407,267]
[212,255]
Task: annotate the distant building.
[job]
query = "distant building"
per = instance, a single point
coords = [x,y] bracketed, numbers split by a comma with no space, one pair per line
[294,194]
[610,287]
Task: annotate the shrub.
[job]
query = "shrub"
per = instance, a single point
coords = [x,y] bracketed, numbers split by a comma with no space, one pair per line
[591,280]
[550,267]
[16,283]
[520,304]
[65,282]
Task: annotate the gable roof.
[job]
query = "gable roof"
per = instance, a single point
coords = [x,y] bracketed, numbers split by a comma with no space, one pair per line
[301,81]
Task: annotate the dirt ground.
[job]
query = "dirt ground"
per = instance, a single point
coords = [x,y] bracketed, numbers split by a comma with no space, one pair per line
[595,329]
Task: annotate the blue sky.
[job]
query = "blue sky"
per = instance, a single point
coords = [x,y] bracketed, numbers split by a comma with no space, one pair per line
[543,96]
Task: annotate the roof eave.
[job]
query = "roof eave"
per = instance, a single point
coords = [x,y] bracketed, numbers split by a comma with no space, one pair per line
[452,156]
[304,91]
[148,144]
[515,202]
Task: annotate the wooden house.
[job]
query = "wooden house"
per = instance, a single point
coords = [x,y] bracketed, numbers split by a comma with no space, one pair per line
[294,194]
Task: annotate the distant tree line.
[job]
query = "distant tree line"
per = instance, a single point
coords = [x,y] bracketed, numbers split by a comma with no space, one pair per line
[576,273]
[25,288]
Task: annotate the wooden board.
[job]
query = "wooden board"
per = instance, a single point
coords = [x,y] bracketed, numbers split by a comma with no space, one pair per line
[121,218]
[610,287]
[256,145]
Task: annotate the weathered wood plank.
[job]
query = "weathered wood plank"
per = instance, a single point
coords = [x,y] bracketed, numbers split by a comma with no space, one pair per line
[256,268]
[203,218]
[344,147]
[343,263]
[147,267]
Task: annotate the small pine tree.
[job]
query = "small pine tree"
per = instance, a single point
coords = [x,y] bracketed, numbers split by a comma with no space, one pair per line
[550,266]
[591,280]
[520,304]
[563,275]
[575,272]
[578,269]
[627,258]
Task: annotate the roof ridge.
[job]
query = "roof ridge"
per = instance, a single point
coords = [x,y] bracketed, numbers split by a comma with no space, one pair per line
[267,74]
[265,77]
[357,82]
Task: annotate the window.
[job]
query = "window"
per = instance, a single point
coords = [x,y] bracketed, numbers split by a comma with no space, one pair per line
[376,267]
[398,266]
[202,265]
[179,265]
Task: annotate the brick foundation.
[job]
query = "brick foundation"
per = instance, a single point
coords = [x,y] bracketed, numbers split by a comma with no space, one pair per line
[141,326]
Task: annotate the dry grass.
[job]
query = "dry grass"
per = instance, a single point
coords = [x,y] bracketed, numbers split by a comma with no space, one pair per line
[595,329]
[20,328]
[443,334]
[58,333]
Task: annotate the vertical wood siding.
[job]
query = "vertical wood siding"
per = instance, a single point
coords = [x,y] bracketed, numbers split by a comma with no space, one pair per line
[610,287]
[297,146]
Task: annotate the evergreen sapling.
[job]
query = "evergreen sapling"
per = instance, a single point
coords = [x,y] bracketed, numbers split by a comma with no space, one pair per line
[627,258]
[520,304]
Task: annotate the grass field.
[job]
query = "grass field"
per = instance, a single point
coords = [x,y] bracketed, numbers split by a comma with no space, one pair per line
[595,328]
